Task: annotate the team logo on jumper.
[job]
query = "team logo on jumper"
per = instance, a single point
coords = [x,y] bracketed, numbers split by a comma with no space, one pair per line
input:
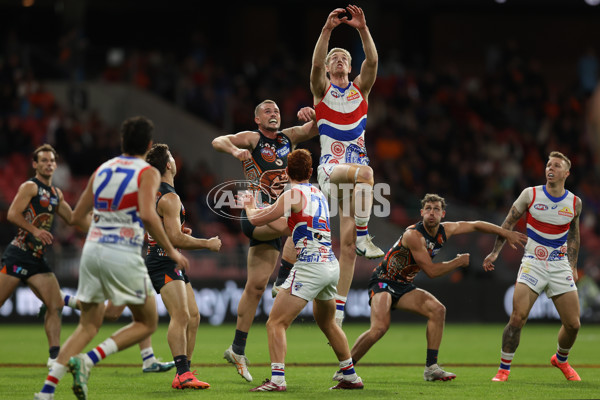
[565,211]
[335,94]
[540,207]
[353,95]
[44,200]
[268,154]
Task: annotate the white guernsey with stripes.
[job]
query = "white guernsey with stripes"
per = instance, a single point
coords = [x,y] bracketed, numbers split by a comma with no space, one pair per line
[342,119]
[548,222]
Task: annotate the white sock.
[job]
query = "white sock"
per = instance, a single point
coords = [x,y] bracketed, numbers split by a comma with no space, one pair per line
[347,368]
[148,357]
[278,373]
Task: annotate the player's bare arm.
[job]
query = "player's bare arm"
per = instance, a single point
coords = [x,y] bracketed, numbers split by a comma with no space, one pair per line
[514,215]
[318,72]
[415,242]
[239,145]
[169,207]
[64,210]
[368,71]
[573,240]
[513,238]
[309,130]
[81,214]
[149,182]
[27,191]
[287,202]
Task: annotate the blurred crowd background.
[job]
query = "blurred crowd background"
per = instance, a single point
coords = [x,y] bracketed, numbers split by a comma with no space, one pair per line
[470,98]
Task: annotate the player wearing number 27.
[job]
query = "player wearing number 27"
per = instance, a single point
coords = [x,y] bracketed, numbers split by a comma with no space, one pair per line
[549,263]
[122,195]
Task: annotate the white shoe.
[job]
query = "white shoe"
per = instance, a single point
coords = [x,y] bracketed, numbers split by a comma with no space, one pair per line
[240,362]
[435,373]
[338,376]
[50,363]
[43,396]
[339,317]
[366,248]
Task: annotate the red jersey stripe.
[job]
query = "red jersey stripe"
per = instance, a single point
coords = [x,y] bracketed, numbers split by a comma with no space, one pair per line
[545,227]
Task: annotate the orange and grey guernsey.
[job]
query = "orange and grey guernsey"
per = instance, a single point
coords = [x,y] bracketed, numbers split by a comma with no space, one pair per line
[265,171]
[40,213]
[155,252]
[398,265]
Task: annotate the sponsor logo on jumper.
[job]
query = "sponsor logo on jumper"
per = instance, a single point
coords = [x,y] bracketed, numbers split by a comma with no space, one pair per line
[565,211]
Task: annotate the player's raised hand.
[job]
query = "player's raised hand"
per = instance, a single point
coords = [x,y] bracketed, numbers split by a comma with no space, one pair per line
[334,18]
[358,20]
[306,114]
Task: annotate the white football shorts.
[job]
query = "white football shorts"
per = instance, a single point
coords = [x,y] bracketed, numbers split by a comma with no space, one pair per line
[113,273]
[315,280]
[554,277]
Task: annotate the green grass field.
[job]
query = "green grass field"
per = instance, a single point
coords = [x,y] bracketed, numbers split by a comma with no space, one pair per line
[392,369]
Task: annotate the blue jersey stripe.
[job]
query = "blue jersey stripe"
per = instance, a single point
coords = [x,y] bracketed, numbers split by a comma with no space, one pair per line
[554,243]
[343,135]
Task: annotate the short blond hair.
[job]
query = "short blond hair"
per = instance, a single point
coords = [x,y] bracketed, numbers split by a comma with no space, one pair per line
[261,104]
[338,50]
[558,154]
[433,198]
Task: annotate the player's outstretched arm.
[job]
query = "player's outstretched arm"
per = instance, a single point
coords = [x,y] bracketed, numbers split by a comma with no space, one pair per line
[318,72]
[368,70]
[309,130]
[513,238]
[169,207]
[289,201]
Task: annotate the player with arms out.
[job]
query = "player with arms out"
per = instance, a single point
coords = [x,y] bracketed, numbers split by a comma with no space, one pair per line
[549,263]
[173,284]
[121,194]
[32,211]
[263,154]
[391,285]
[341,112]
[313,277]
